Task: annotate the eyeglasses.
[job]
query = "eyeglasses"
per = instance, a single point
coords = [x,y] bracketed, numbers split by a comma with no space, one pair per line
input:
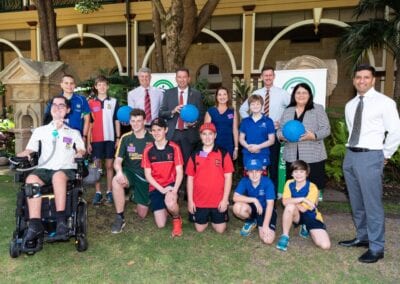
[59,106]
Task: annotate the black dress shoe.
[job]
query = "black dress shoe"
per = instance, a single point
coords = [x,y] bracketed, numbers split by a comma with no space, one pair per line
[371,257]
[354,243]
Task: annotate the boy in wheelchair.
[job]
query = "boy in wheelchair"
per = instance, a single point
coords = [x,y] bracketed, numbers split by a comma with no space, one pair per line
[60,145]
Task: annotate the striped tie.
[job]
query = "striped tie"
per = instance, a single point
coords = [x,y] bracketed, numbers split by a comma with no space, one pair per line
[266,103]
[147,106]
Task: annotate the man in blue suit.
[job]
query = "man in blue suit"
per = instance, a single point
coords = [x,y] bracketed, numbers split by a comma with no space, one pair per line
[186,135]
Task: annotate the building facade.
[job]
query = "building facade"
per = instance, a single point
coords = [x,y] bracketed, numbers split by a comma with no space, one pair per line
[239,39]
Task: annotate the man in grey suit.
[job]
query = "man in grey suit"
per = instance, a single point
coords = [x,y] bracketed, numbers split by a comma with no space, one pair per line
[186,135]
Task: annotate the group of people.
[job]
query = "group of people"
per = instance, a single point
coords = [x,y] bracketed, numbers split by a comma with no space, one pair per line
[162,154]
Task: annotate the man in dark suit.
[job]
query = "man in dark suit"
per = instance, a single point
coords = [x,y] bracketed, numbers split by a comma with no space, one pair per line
[186,135]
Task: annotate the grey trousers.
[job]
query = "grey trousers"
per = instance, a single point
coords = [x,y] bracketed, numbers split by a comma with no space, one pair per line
[363,174]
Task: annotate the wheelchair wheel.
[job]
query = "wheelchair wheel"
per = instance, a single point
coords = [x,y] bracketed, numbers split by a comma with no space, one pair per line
[81,244]
[15,250]
[82,220]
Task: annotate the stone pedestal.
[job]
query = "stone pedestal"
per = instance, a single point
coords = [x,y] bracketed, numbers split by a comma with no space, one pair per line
[30,84]
[312,62]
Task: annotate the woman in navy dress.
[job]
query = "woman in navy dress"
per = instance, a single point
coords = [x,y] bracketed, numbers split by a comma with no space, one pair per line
[225,120]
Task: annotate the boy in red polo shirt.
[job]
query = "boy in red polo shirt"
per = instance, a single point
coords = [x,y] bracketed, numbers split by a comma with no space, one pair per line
[209,180]
[163,168]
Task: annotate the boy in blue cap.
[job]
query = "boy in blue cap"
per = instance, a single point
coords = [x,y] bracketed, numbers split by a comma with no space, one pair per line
[254,202]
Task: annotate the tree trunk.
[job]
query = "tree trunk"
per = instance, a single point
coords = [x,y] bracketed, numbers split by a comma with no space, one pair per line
[48,30]
[182,25]
[173,26]
[157,39]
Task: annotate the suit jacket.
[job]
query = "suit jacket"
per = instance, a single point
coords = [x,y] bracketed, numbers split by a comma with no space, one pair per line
[170,101]
[316,121]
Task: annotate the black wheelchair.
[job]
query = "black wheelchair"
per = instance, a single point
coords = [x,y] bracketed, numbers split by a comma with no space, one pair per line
[76,209]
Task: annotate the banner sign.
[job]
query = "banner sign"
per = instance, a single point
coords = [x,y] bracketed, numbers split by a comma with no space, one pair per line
[163,80]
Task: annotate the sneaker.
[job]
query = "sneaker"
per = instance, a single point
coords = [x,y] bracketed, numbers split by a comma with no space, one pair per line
[109,198]
[248,227]
[304,233]
[118,225]
[62,231]
[177,227]
[33,239]
[283,243]
[97,198]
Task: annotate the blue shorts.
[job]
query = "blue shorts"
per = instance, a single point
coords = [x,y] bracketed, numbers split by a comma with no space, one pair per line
[260,218]
[310,222]
[156,200]
[204,215]
[103,150]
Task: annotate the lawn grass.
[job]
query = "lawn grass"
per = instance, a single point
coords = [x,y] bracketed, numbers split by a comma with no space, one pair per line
[145,254]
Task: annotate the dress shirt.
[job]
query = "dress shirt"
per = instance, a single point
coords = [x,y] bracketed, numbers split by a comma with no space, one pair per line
[279,99]
[379,115]
[63,139]
[136,99]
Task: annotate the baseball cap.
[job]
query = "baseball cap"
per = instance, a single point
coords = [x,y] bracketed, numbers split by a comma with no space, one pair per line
[254,164]
[208,126]
[158,122]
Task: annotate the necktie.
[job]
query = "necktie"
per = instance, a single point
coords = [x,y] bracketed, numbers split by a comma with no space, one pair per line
[147,106]
[355,133]
[180,121]
[266,103]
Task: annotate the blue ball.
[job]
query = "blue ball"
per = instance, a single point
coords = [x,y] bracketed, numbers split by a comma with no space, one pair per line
[189,113]
[123,114]
[292,130]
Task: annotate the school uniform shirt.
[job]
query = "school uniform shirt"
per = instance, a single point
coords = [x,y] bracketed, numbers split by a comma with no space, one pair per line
[308,191]
[208,172]
[130,149]
[257,132]
[162,163]
[103,116]
[63,139]
[263,192]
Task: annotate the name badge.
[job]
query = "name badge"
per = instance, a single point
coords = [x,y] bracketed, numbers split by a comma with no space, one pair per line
[96,109]
[203,154]
[67,140]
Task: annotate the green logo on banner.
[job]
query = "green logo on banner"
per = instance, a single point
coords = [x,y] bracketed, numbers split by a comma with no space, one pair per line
[163,84]
[290,84]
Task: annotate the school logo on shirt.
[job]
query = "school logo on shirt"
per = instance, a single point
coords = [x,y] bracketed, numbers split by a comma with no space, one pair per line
[78,106]
[218,162]
[170,156]
[261,192]
[263,125]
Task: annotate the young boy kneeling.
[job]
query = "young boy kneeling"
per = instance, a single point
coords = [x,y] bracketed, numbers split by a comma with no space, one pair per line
[209,180]
[254,202]
[163,167]
[300,198]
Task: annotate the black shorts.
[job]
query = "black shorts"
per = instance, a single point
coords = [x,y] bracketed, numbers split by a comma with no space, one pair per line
[204,215]
[47,175]
[260,218]
[103,150]
[156,200]
[310,222]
